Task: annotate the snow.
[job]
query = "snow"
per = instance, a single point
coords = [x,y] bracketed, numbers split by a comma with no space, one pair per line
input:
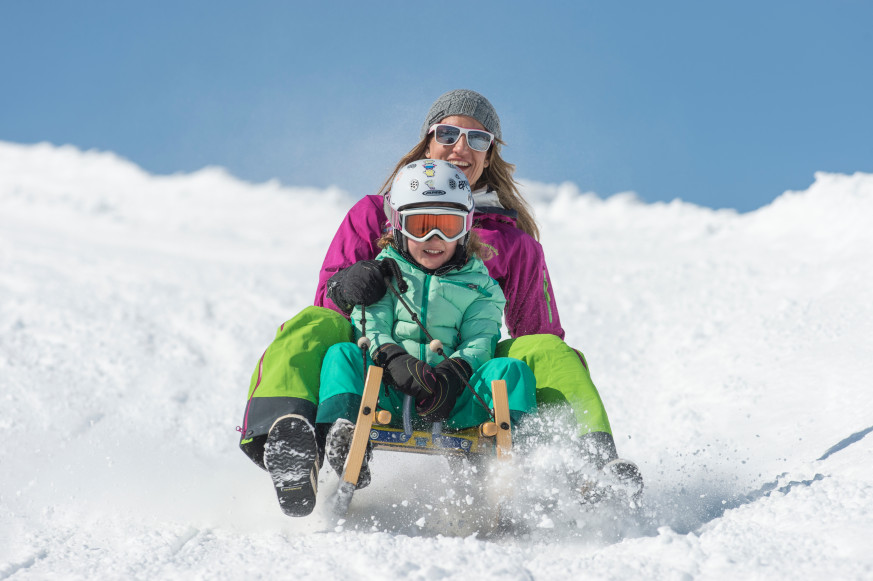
[732,352]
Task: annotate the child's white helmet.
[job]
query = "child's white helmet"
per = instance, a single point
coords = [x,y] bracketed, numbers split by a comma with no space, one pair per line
[430,183]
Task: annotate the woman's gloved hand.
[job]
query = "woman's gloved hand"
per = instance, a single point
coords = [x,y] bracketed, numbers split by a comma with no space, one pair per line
[362,283]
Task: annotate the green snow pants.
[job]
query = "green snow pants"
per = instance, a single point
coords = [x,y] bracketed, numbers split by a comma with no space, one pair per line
[285,380]
[562,378]
[287,377]
[342,380]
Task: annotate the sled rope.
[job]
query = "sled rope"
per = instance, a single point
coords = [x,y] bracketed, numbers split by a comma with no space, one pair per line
[363,342]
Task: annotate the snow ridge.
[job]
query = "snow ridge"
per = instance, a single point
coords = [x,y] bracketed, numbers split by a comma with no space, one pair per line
[731,351]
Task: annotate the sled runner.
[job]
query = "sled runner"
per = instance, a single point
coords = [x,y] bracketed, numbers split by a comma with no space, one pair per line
[489,439]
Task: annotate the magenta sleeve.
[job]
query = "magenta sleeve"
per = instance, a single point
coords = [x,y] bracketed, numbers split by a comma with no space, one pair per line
[355,240]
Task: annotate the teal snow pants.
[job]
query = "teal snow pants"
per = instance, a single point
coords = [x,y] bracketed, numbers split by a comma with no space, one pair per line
[286,379]
[342,385]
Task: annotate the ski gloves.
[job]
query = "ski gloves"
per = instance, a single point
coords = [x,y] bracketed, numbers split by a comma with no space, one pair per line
[435,389]
[362,283]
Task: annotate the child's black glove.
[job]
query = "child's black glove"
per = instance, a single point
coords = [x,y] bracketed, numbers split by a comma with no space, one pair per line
[363,283]
[451,375]
[435,389]
[404,372]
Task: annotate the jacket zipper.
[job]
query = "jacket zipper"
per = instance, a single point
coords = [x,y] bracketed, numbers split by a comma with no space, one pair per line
[423,318]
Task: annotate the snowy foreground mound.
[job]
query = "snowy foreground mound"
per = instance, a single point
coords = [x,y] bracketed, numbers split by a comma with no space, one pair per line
[733,353]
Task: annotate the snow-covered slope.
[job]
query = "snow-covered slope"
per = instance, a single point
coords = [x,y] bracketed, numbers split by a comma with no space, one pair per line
[733,352]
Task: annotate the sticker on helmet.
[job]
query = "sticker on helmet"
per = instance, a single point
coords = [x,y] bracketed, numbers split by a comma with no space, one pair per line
[429,168]
[431,190]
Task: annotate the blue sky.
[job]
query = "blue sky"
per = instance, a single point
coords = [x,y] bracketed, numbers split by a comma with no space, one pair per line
[720,104]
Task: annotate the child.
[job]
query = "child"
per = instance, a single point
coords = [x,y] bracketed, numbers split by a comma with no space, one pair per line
[431,245]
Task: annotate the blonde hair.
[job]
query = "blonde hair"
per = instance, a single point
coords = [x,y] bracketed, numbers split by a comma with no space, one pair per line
[475,246]
[497,175]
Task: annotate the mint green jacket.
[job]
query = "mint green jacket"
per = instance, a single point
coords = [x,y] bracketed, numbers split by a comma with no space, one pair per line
[462,308]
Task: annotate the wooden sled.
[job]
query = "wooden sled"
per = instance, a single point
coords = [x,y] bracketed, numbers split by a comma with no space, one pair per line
[489,439]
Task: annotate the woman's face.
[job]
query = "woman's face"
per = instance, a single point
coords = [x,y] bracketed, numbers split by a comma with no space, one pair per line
[470,161]
[433,252]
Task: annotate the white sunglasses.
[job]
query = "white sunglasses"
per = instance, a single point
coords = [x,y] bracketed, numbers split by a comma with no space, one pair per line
[450,134]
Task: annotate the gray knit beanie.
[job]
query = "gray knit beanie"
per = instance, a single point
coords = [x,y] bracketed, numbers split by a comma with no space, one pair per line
[463,102]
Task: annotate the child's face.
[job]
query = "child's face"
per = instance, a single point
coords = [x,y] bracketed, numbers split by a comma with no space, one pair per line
[433,252]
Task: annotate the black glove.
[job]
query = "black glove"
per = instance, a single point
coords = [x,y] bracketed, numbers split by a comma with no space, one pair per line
[404,372]
[451,375]
[363,283]
[435,389]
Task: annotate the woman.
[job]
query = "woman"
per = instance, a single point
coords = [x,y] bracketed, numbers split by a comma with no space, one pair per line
[463,128]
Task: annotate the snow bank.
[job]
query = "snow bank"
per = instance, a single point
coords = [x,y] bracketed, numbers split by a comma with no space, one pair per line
[731,350]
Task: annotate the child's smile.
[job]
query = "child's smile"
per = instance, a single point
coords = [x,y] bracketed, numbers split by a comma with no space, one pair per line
[433,252]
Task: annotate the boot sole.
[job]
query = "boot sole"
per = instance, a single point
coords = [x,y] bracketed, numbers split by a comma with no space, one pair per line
[291,458]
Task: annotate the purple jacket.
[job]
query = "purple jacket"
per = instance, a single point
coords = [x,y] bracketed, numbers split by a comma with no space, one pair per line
[518,264]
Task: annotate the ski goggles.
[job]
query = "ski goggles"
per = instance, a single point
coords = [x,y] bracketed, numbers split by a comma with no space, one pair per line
[449,135]
[420,224]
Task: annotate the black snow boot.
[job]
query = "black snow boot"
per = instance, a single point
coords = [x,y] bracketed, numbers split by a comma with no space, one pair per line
[598,449]
[615,477]
[339,442]
[626,478]
[291,458]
